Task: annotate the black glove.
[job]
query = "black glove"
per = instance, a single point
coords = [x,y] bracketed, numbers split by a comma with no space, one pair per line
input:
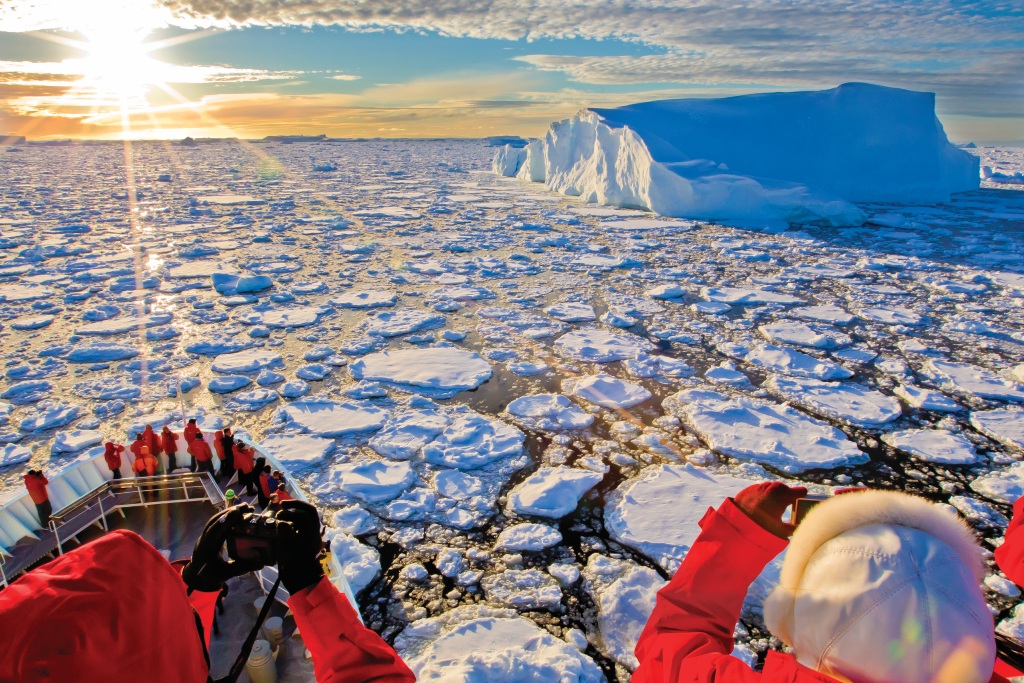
[300,543]
[207,569]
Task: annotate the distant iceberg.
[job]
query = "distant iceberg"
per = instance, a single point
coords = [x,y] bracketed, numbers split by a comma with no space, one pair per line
[794,156]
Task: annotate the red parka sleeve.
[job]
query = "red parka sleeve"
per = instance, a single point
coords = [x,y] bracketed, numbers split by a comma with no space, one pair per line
[690,633]
[1010,555]
[342,648]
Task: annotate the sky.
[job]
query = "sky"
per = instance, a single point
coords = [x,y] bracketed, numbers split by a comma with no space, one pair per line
[473,68]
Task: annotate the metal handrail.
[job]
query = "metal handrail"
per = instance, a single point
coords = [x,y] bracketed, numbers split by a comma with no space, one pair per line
[139,487]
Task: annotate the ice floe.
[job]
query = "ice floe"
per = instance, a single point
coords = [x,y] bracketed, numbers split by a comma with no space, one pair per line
[607,391]
[327,418]
[552,491]
[769,433]
[846,402]
[550,412]
[446,371]
[933,445]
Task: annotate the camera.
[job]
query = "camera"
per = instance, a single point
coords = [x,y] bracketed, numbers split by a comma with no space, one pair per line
[254,538]
[803,505]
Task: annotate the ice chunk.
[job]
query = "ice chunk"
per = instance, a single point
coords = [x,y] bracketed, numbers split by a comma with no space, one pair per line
[1005,425]
[967,380]
[125,324]
[657,512]
[571,312]
[49,415]
[927,399]
[550,412]
[599,346]
[893,315]
[625,595]
[777,435]
[472,644]
[13,454]
[373,482]
[607,391]
[447,370]
[527,536]
[405,434]
[736,295]
[296,451]
[824,314]
[228,383]
[933,445]
[360,563]
[334,419]
[243,362]
[1005,486]
[552,491]
[802,334]
[786,361]
[77,440]
[853,404]
[296,316]
[101,353]
[402,321]
[472,441]
[364,299]
[523,589]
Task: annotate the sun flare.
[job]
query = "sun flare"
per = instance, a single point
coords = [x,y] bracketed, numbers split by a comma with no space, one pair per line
[118,65]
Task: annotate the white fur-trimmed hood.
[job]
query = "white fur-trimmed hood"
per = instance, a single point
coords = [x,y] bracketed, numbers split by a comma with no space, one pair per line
[849,511]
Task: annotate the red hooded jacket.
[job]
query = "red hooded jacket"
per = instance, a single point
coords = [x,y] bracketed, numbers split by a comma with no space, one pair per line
[169,441]
[152,440]
[190,432]
[36,485]
[201,450]
[243,458]
[112,454]
[690,633]
[80,619]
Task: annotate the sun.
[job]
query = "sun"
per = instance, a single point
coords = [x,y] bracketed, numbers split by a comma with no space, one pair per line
[118,65]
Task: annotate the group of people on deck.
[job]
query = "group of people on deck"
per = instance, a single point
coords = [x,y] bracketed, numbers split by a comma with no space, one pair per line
[258,478]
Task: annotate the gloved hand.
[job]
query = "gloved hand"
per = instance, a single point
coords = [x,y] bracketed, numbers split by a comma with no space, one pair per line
[300,543]
[765,502]
[208,569]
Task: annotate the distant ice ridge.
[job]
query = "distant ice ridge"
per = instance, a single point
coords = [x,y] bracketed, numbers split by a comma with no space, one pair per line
[795,156]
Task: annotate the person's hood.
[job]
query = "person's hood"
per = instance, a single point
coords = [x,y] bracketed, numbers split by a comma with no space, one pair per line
[883,586]
[80,617]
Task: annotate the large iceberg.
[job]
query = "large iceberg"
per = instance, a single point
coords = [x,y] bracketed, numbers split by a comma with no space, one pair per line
[794,156]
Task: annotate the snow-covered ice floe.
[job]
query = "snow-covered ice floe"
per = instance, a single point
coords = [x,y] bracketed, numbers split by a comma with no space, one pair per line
[441,371]
[846,402]
[477,643]
[765,432]
[796,156]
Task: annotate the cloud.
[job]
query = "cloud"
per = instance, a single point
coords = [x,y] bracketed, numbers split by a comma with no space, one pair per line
[344,77]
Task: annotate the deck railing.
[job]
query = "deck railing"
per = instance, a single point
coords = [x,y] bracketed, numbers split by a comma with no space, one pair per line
[112,497]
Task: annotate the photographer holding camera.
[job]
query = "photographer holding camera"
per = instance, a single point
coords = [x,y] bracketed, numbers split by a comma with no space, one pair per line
[94,613]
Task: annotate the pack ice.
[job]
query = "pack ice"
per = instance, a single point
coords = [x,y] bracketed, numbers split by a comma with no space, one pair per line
[796,156]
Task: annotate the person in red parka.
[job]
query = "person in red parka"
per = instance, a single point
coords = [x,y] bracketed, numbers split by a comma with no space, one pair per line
[244,463]
[35,482]
[169,443]
[112,455]
[152,440]
[876,586]
[190,431]
[137,445]
[80,617]
[200,451]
